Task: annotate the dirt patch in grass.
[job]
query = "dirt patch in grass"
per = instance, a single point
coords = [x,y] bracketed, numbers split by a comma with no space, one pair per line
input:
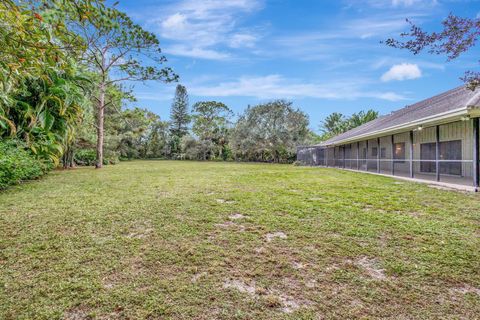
[260,250]
[196,277]
[223,201]
[240,286]
[289,304]
[270,297]
[109,282]
[140,230]
[77,313]
[370,267]
[298,265]
[275,235]
[163,194]
[231,225]
[465,289]
[236,216]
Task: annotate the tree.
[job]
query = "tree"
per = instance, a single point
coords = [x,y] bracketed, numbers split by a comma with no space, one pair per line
[133,133]
[458,36]
[36,66]
[336,123]
[158,140]
[46,113]
[190,148]
[362,117]
[117,50]
[179,117]
[210,124]
[269,132]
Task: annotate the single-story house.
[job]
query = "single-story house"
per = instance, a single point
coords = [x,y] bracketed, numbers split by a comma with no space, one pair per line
[434,140]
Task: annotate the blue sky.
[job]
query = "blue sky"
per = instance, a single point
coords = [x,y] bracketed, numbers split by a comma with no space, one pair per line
[325,56]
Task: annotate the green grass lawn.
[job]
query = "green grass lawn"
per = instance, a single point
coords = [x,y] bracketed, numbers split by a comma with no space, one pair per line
[192,240]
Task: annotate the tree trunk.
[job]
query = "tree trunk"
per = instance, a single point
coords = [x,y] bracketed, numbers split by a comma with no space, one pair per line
[71,163]
[100,121]
[68,158]
[65,159]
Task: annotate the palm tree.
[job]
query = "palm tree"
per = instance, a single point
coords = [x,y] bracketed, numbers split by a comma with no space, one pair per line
[334,124]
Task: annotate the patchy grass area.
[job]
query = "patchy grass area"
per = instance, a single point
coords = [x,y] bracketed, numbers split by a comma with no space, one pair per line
[189,240]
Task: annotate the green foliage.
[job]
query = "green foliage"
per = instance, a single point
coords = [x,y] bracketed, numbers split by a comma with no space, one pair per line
[41,95]
[156,144]
[179,116]
[190,148]
[336,123]
[132,131]
[313,138]
[18,164]
[46,112]
[35,45]
[85,157]
[117,45]
[362,117]
[211,126]
[111,157]
[118,50]
[269,132]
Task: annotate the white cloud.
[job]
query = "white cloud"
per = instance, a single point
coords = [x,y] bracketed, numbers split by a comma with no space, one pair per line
[374,26]
[403,71]
[199,28]
[409,3]
[394,3]
[353,29]
[195,52]
[176,21]
[276,86]
[343,40]
[240,40]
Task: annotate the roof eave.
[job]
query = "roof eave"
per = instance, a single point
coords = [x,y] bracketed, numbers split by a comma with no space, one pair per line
[426,121]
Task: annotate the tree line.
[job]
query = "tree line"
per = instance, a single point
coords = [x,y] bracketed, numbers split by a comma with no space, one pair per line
[209,130]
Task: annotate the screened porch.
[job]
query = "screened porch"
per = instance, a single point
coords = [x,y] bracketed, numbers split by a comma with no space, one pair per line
[442,153]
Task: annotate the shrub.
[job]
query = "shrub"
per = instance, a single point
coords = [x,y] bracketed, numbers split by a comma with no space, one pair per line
[18,164]
[85,157]
[111,157]
[88,157]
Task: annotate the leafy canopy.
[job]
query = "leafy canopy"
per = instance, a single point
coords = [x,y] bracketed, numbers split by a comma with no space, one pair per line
[269,132]
[336,123]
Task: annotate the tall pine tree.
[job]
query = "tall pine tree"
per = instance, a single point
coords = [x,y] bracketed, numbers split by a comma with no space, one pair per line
[179,118]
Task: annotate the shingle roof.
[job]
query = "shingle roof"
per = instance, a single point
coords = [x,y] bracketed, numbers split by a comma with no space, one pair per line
[448,101]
